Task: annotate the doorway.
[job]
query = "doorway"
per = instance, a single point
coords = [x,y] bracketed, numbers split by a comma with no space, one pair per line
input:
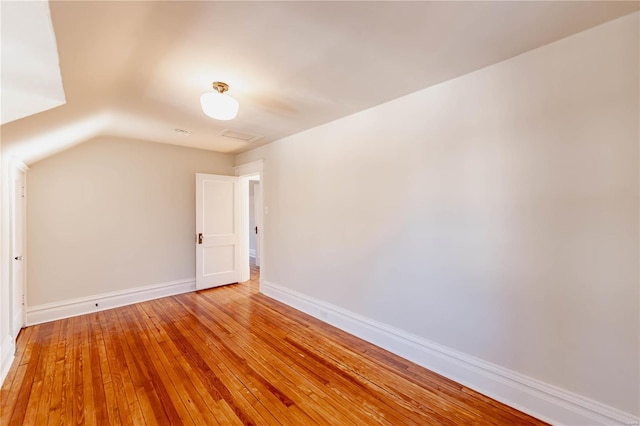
[252,212]
[17,234]
[254,228]
[251,193]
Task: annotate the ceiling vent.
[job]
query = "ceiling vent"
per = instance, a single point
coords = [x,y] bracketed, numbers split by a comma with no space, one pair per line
[246,137]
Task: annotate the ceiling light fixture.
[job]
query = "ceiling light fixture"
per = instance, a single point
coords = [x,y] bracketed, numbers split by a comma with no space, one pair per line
[218,105]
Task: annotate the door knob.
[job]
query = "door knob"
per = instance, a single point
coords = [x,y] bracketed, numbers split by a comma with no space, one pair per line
[200,238]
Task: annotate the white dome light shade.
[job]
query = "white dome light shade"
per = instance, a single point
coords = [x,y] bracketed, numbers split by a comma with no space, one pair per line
[219,106]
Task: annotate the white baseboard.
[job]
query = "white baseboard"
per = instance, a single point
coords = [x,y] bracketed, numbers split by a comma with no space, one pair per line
[18,323]
[100,302]
[6,357]
[252,253]
[539,399]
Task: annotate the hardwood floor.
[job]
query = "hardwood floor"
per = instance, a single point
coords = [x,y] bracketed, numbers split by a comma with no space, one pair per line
[222,357]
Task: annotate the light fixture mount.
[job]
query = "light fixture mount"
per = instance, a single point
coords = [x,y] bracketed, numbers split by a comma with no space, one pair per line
[220,87]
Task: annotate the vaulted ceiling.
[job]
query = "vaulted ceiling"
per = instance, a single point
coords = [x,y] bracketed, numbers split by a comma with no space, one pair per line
[137,69]
[30,75]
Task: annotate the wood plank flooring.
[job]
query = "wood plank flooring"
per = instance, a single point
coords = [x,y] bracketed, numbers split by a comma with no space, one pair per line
[226,356]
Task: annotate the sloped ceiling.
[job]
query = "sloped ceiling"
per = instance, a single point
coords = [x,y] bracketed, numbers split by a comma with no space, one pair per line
[29,73]
[137,69]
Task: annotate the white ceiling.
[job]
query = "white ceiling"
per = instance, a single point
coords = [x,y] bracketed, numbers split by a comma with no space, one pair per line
[30,75]
[137,69]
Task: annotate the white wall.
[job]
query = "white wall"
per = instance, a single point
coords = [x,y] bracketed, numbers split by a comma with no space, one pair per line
[111,215]
[500,215]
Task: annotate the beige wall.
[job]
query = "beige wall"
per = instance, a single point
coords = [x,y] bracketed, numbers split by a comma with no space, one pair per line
[113,214]
[499,218]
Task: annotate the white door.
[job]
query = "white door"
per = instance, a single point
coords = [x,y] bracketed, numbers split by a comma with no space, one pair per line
[17,252]
[217,230]
[257,202]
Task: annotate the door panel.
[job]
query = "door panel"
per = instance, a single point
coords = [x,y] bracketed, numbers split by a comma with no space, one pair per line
[219,259]
[217,219]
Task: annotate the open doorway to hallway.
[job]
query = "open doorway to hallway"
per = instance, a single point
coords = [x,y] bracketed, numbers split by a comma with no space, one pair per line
[252,209]
[254,228]
[254,231]
[253,223]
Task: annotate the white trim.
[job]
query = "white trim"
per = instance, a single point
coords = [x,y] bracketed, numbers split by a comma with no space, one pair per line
[249,168]
[252,253]
[85,305]
[19,164]
[539,399]
[6,359]
[245,273]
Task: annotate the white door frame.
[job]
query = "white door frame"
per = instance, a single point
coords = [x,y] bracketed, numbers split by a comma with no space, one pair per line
[18,301]
[244,172]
